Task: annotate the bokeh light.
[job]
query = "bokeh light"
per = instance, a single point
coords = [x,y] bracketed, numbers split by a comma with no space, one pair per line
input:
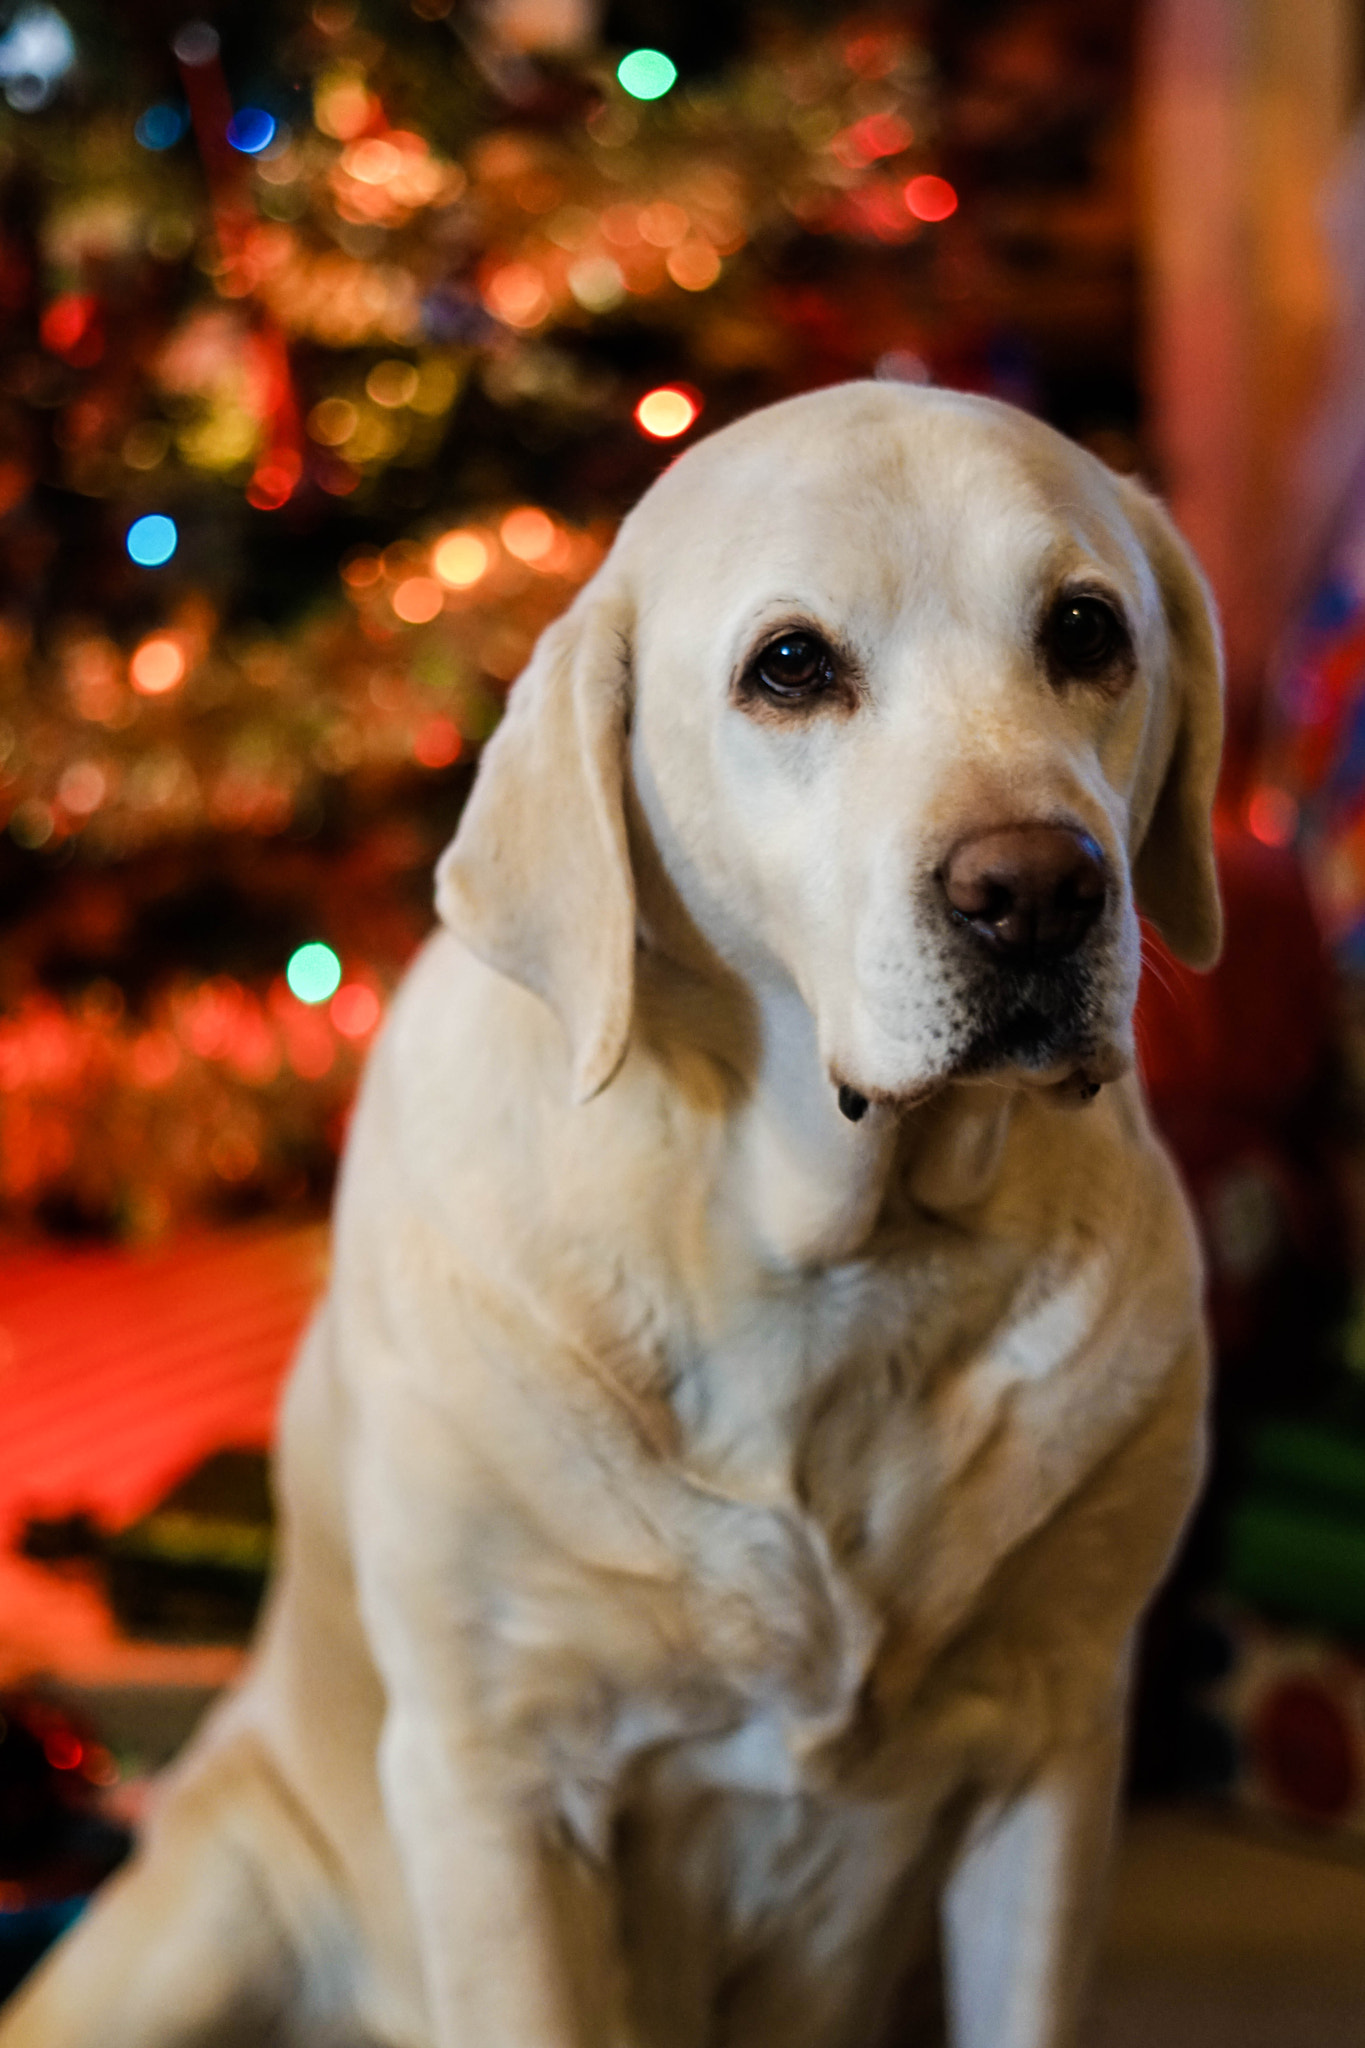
[930,198]
[152,540]
[1272,816]
[459,559]
[528,533]
[665,413]
[36,52]
[516,293]
[314,972]
[646,74]
[251,130]
[417,599]
[160,126]
[355,1010]
[332,421]
[392,383]
[437,743]
[694,265]
[157,665]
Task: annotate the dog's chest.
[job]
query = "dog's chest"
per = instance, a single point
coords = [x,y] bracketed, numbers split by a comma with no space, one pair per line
[846,1393]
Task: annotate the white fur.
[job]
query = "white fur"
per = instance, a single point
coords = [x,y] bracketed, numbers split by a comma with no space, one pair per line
[714,1530]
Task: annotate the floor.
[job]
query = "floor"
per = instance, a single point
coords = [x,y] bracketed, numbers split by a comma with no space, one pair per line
[1221,1939]
[118,1371]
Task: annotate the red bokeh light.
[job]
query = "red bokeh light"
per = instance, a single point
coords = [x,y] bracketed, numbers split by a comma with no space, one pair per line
[1272,816]
[930,198]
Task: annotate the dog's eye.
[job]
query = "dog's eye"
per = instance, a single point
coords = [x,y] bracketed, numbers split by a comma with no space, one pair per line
[794,667]
[1084,635]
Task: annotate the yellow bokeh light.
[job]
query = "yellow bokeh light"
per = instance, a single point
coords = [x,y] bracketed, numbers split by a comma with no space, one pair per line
[332,421]
[459,559]
[392,383]
[665,413]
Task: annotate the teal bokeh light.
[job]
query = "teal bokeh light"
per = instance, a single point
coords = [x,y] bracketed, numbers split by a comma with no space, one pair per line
[646,74]
[314,972]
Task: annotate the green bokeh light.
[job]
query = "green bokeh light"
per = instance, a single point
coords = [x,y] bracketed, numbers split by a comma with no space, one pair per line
[314,972]
[646,74]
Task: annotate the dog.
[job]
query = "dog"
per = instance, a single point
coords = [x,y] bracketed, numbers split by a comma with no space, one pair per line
[761,1378]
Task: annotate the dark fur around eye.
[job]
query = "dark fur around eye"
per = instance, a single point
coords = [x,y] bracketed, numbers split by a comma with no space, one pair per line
[1085,636]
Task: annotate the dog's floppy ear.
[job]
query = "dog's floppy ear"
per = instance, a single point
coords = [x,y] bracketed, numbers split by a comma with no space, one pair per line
[1174,874]
[537,880]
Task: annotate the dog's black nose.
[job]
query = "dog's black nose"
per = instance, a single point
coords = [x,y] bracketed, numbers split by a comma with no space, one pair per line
[1029,893]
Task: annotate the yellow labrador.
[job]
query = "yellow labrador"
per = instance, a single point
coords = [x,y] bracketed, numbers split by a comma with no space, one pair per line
[761,1377]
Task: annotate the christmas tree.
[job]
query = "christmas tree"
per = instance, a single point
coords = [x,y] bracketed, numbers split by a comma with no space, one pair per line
[337,340]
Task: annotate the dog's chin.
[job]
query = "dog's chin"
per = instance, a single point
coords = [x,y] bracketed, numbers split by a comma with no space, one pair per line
[1073,1071]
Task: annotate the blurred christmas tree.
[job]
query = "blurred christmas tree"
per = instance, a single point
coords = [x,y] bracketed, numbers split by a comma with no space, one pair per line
[336,340]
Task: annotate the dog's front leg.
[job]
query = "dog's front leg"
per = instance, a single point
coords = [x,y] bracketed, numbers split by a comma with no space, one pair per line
[514,1926]
[514,1921]
[1023,1904]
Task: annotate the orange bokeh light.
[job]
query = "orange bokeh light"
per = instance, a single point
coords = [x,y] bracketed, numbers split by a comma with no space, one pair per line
[665,413]
[693,265]
[517,294]
[417,599]
[372,162]
[157,666]
[930,198]
[360,571]
[459,559]
[528,533]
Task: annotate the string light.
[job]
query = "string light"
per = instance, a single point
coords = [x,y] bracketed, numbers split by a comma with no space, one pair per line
[665,413]
[646,74]
[313,972]
[152,540]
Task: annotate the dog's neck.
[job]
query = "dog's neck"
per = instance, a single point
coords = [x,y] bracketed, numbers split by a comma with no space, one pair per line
[812,1185]
[808,1183]
[800,1182]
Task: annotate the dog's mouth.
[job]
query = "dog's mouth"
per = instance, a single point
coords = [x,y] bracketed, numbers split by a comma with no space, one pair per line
[1031,1040]
[1077,1080]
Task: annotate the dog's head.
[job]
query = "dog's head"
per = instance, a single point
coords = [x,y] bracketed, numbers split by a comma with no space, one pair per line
[911,703]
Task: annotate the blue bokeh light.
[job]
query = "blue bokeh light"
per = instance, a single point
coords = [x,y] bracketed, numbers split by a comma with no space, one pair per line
[152,540]
[251,130]
[160,126]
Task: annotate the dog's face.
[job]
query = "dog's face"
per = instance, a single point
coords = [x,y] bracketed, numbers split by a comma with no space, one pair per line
[923,701]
